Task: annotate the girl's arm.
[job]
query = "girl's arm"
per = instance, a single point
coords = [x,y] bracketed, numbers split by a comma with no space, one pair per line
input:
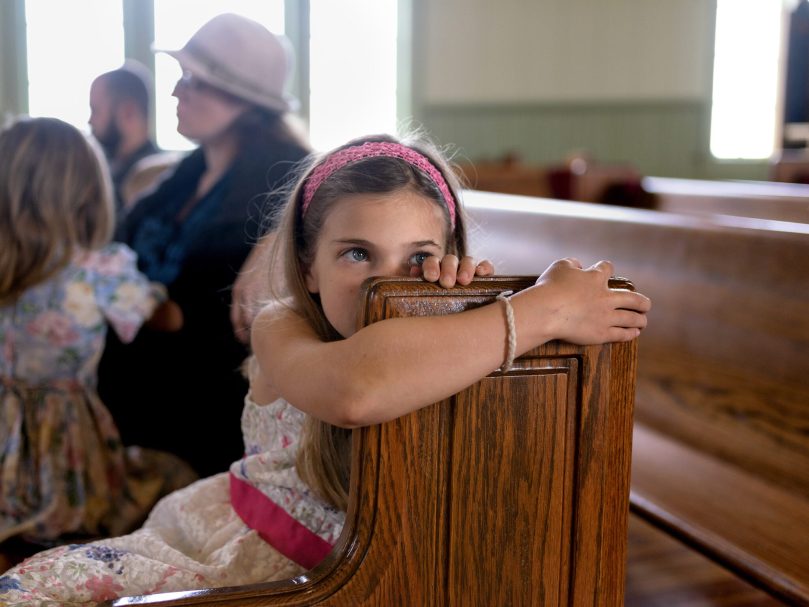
[125,296]
[396,366]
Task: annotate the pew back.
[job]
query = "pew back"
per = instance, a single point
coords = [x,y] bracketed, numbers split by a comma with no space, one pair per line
[512,492]
[722,366]
[509,177]
[764,200]
[729,311]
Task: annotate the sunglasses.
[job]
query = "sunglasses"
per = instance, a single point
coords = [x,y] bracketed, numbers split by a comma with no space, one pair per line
[192,83]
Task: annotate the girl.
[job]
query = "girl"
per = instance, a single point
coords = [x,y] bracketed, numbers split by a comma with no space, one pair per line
[373,207]
[63,468]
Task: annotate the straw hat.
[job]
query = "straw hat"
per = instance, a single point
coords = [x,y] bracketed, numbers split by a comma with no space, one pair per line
[241,57]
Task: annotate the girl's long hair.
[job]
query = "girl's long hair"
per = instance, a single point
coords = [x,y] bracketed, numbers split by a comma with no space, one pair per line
[324,455]
[55,199]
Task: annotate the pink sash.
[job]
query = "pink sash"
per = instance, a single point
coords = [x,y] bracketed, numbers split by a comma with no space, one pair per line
[275,525]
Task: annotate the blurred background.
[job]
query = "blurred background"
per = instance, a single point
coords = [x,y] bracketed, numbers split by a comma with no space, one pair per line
[695,88]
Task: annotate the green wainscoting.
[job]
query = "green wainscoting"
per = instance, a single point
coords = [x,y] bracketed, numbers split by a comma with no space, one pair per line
[666,138]
[13,60]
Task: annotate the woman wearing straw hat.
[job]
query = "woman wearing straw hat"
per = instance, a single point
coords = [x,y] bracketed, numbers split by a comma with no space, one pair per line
[183,392]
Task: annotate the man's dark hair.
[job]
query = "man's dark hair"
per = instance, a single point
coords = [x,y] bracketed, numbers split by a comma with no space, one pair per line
[131,81]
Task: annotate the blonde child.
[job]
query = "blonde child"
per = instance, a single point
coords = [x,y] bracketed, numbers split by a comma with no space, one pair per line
[374,207]
[63,469]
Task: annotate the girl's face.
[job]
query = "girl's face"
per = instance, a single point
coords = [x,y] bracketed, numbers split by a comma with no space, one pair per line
[204,112]
[367,235]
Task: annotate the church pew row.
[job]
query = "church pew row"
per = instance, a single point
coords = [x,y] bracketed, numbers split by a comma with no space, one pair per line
[514,491]
[623,185]
[721,440]
[760,199]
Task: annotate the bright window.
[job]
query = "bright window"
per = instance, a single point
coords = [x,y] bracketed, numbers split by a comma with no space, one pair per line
[175,22]
[352,70]
[745,81]
[65,54]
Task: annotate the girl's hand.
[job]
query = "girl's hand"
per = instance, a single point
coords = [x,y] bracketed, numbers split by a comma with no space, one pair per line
[448,270]
[584,310]
[167,317]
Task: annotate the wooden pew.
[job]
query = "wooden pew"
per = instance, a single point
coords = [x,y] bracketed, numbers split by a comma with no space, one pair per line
[721,447]
[577,179]
[623,185]
[759,199]
[790,166]
[509,176]
[512,492]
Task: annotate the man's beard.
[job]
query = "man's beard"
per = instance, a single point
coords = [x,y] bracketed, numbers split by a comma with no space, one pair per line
[110,139]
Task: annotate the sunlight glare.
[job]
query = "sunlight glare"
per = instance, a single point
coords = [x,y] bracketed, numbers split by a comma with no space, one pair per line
[66,51]
[743,115]
[352,70]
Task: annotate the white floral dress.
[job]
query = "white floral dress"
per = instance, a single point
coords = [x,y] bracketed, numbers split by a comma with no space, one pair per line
[63,469]
[259,522]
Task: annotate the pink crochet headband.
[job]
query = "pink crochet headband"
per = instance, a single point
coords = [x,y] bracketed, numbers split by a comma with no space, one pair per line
[373,149]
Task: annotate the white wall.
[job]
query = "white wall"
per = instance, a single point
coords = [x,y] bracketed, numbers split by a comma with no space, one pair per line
[494,51]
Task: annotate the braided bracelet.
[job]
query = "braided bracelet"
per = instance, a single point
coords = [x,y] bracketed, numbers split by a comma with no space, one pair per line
[511,330]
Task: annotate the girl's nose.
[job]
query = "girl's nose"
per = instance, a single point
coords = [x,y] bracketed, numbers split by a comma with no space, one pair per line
[393,267]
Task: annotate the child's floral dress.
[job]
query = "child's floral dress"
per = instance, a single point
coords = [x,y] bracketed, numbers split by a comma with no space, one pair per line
[63,469]
[259,522]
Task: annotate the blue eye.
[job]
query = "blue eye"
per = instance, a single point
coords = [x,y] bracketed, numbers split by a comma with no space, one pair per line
[357,254]
[418,259]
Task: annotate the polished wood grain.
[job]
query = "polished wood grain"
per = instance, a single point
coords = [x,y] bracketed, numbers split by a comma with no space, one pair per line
[729,531]
[512,492]
[663,572]
[723,367]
